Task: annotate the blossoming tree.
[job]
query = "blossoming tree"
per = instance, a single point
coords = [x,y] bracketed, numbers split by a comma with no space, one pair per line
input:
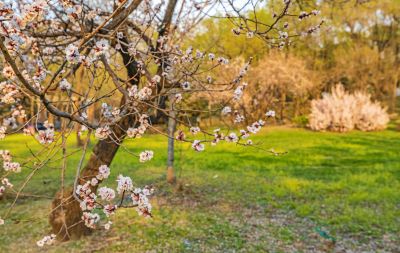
[129,50]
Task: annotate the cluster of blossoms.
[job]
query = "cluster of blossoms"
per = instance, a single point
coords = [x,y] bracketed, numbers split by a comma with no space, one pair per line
[146,156]
[73,55]
[104,172]
[217,136]
[106,193]
[238,117]
[270,114]
[178,98]
[140,199]
[180,136]
[255,127]
[31,11]
[10,94]
[18,112]
[238,93]
[240,30]
[46,136]
[5,184]
[124,184]
[102,133]
[232,137]
[283,35]
[90,219]
[190,56]
[101,47]
[8,164]
[47,240]
[9,122]
[8,91]
[65,85]
[304,15]
[194,130]
[139,196]
[313,29]
[109,112]
[137,132]
[179,59]
[89,200]
[197,145]
[12,166]
[142,94]
[87,196]
[226,110]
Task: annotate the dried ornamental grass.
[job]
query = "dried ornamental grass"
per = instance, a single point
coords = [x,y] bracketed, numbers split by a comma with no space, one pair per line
[341,112]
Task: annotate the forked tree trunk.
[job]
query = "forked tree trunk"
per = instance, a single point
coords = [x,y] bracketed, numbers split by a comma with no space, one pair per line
[171,178]
[66,214]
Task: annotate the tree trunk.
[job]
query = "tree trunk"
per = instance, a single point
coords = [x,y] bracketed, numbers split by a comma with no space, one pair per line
[66,214]
[393,100]
[283,104]
[171,178]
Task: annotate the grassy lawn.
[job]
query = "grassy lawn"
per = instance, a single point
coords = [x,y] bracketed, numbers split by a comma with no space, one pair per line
[328,187]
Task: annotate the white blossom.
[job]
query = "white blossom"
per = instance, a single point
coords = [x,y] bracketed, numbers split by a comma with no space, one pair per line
[72,53]
[90,219]
[194,130]
[106,193]
[104,172]
[198,146]
[185,85]
[47,240]
[232,137]
[144,93]
[102,132]
[270,113]
[107,226]
[65,85]
[145,156]
[226,110]
[124,184]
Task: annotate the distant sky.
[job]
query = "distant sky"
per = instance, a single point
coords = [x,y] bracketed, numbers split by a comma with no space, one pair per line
[238,4]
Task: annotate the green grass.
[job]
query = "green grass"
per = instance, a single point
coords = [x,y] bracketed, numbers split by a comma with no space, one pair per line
[235,198]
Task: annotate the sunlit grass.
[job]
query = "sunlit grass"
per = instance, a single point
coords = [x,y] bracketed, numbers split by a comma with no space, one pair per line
[347,183]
